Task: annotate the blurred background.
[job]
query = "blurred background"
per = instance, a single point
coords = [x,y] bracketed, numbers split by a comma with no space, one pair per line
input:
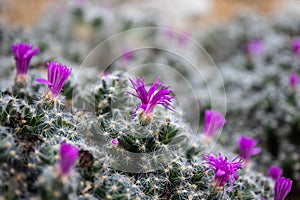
[176,13]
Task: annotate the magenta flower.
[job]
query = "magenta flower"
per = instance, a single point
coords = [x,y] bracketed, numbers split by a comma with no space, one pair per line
[183,38]
[23,54]
[57,76]
[114,142]
[254,47]
[225,171]
[169,33]
[295,44]
[156,95]
[126,56]
[247,148]
[282,188]
[275,172]
[213,122]
[68,157]
[104,75]
[294,79]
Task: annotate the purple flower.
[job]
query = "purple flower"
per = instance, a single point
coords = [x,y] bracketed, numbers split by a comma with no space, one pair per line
[213,122]
[282,187]
[114,142]
[104,75]
[295,44]
[23,54]
[255,47]
[126,56]
[68,157]
[275,172]
[168,33]
[294,79]
[57,76]
[183,38]
[156,95]
[225,171]
[246,147]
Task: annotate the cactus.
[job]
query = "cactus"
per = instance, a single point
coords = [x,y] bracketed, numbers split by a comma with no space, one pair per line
[270,92]
[130,139]
[31,135]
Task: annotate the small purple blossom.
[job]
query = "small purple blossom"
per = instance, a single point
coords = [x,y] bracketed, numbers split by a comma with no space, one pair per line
[225,171]
[57,76]
[114,142]
[255,47]
[183,38]
[294,79]
[104,75]
[23,54]
[169,33]
[126,57]
[156,95]
[247,148]
[213,122]
[295,45]
[68,157]
[275,172]
[282,188]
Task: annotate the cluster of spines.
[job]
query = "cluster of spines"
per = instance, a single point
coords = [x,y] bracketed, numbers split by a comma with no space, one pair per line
[49,124]
[271,114]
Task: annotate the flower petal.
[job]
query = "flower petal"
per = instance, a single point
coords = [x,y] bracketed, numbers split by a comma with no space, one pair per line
[43,81]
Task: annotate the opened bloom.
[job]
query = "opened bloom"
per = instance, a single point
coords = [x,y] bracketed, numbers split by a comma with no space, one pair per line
[225,171]
[275,172]
[23,54]
[213,122]
[57,76]
[255,47]
[68,157]
[247,148]
[296,46]
[282,188]
[158,94]
[294,79]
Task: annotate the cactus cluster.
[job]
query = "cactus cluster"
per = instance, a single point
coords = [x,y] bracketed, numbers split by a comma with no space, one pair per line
[120,138]
[264,90]
[152,159]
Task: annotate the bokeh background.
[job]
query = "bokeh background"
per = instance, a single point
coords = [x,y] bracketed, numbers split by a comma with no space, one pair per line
[185,15]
